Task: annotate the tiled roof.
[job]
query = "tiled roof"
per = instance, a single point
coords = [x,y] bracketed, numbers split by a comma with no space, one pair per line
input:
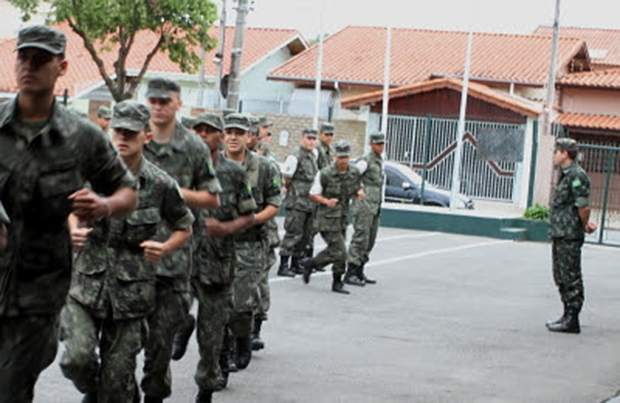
[609,79]
[83,73]
[585,121]
[475,90]
[355,55]
[597,39]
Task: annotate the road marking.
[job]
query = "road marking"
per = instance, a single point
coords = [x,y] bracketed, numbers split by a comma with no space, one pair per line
[408,257]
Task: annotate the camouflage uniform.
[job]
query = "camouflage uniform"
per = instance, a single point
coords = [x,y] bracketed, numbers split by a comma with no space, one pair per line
[187,159]
[4,218]
[325,157]
[567,234]
[113,291]
[36,177]
[215,270]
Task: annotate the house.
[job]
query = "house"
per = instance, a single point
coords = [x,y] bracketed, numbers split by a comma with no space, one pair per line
[264,49]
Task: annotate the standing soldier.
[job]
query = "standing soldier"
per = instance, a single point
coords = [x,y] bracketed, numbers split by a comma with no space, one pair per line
[333,188]
[46,155]
[113,287]
[299,171]
[366,213]
[264,137]
[184,157]
[215,259]
[251,244]
[104,114]
[568,221]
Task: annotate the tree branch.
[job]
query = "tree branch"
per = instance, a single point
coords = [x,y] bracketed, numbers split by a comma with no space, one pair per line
[147,61]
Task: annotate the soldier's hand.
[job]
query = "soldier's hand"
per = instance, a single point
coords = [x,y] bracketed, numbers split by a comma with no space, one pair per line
[361,195]
[79,237]
[332,202]
[88,206]
[215,228]
[3,236]
[589,228]
[153,251]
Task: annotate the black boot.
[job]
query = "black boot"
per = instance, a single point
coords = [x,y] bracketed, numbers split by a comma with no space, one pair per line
[257,343]
[307,264]
[351,276]
[560,320]
[181,338]
[569,324]
[338,285]
[284,270]
[222,382]
[243,352]
[295,267]
[363,277]
[204,396]
[309,252]
[90,397]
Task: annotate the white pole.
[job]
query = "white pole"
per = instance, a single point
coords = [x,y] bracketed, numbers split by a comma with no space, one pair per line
[220,57]
[386,81]
[546,130]
[456,169]
[319,71]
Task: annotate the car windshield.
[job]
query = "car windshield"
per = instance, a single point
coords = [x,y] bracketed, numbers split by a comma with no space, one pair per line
[410,174]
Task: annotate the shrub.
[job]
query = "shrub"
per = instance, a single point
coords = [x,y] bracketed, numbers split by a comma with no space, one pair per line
[537,212]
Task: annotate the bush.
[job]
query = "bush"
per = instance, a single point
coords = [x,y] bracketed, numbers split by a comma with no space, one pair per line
[537,212]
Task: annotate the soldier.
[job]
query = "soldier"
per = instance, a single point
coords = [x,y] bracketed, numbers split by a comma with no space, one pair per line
[184,157]
[188,122]
[113,287]
[569,219]
[333,188]
[366,213]
[104,114]
[299,171]
[264,137]
[46,155]
[251,245]
[252,143]
[216,258]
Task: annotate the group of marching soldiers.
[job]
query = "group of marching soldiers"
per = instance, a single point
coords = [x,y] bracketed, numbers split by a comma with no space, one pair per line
[156,217]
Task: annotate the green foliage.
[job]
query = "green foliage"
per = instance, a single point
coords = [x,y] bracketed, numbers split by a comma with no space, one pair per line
[537,212]
[178,25]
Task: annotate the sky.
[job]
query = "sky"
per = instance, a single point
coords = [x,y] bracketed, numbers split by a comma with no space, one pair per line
[507,16]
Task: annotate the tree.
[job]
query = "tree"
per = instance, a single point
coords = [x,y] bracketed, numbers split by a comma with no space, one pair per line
[104,25]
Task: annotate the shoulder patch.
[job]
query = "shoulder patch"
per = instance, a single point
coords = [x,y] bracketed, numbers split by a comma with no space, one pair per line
[576,183]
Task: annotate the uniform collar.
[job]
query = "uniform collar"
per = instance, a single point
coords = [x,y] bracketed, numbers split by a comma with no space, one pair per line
[58,123]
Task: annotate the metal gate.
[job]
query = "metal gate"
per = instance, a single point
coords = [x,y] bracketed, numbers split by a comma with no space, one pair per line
[602,163]
[427,145]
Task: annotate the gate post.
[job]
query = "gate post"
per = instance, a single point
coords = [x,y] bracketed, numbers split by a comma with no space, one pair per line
[606,195]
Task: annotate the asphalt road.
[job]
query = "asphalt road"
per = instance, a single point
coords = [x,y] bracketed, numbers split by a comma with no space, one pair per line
[453,319]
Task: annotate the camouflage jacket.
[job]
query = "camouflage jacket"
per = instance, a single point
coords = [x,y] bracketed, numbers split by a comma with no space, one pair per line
[111,276]
[215,257]
[372,181]
[571,192]
[4,218]
[188,160]
[266,191]
[297,197]
[336,186]
[35,180]
[325,157]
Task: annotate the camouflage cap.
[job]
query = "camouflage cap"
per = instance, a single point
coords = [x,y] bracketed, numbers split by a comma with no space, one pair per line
[42,37]
[237,121]
[130,115]
[254,124]
[309,133]
[377,138]
[188,121]
[327,128]
[209,119]
[343,148]
[566,144]
[227,111]
[104,112]
[264,122]
[162,88]
[4,217]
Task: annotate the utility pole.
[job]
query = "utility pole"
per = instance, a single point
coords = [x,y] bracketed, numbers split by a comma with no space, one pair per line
[234,77]
[219,57]
[319,71]
[546,127]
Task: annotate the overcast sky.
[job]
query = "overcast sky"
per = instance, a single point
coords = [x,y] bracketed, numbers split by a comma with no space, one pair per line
[509,16]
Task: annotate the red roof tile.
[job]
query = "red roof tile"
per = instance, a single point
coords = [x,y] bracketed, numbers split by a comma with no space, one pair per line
[83,73]
[355,55]
[600,122]
[609,79]
[475,90]
[597,39]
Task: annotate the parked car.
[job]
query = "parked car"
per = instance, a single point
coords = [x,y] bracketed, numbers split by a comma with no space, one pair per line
[403,185]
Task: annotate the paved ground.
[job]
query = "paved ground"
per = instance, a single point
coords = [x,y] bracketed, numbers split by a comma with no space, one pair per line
[453,319]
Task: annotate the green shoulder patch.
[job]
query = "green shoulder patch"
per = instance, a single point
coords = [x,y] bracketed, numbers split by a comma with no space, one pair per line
[576,183]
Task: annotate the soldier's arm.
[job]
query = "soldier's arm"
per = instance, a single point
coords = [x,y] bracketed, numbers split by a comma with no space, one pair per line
[88,206]
[79,232]
[288,169]
[154,251]
[580,188]
[245,208]
[207,187]
[201,199]
[316,192]
[272,189]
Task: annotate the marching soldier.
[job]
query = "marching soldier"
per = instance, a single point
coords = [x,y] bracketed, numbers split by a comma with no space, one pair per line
[104,114]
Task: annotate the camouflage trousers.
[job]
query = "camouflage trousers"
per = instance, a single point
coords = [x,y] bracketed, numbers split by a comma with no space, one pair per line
[263,290]
[335,253]
[111,372]
[365,228]
[28,345]
[250,263]
[214,306]
[170,311]
[567,272]
[299,230]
